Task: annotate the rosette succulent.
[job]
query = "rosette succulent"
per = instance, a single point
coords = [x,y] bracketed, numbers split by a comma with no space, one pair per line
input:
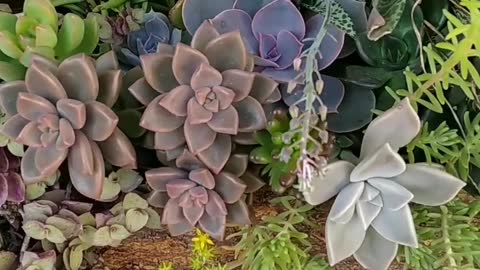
[62,112]
[191,195]
[36,32]
[11,184]
[275,42]
[371,215]
[155,30]
[203,95]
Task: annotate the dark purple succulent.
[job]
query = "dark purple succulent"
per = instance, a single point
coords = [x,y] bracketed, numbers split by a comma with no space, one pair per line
[155,30]
[274,31]
[11,184]
[191,195]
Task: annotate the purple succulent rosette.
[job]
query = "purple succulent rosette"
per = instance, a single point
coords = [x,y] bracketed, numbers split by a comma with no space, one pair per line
[63,112]
[203,96]
[273,30]
[155,30]
[191,195]
[12,188]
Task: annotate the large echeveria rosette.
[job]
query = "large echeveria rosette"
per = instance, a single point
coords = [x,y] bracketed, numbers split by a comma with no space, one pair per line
[191,195]
[63,112]
[12,188]
[371,214]
[202,96]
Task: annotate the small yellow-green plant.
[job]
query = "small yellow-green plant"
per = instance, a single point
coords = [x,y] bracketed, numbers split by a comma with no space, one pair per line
[166,266]
[203,253]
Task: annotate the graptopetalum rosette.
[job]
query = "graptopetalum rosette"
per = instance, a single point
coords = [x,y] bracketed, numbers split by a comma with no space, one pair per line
[201,95]
[371,214]
[63,112]
[191,195]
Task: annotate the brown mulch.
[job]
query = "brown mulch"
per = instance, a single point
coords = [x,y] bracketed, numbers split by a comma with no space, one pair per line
[147,250]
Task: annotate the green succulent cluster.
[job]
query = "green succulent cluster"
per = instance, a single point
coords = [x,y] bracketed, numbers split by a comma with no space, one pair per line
[37,32]
[279,151]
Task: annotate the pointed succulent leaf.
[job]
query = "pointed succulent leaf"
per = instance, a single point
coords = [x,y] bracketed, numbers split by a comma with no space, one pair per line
[376,252]
[54,235]
[154,221]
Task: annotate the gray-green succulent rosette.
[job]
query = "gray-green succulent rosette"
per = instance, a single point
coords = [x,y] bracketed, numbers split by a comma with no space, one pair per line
[371,214]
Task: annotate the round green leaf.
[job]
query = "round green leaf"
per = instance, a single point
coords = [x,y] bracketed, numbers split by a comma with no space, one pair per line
[16,149]
[9,45]
[118,219]
[42,11]
[87,219]
[110,190]
[88,235]
[7,22]
[90,37]
[68,228]
[133,200]
[70,35]
[102,237]
[136,219]
[154,221]
[3,139]
[119,232]
[354,112]
[76,257]
[35,230]
[35,191]
[129,123]
[128,180]
[54,235]
[45,36]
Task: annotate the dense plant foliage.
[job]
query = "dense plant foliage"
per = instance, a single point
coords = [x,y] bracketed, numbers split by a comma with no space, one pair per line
[121,115]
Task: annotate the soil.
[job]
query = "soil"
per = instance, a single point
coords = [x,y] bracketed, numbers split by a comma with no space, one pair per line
[147,250]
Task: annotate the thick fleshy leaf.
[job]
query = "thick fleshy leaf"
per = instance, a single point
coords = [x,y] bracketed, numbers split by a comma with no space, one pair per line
[232,20]
[251,115]
[429,185]
[176,100]
[251,7]
[3,189]
[16,188]
[205,33]
[158,178]
[394,196]
[229,187]
[205,76]
[30,135]
[397,226]
[118,150]
[48,159]
[8,96]
[266,20]
[32,107]
[376,252]
[197,113]
[215,206]
[225,121]
[289,48]
[158,199]
[345,201]
[202,177]
[79,78]
[397,127]
[177,187]
[107,62]
[384,163]
[14,126]
[157,119]
[367,212]
[343,239]
[142,91]
[89,182]
[193,214]
[198,137]
[216,156]
[227,52]
[110,85]
[263,88]
[237,164]
[213,225]
[172,214]
[74,111]
[136,219]
[238,81]
[158,71]
[186,160]
[70,35]
[195,12]
[186,61]
[336,176]
[169,140]
[238,213]
[332,44]
[101,121]
[30,173]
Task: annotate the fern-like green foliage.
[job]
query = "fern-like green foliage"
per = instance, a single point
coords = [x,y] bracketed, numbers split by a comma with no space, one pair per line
[449,63]
[338,16]
[449,238]
[277,243]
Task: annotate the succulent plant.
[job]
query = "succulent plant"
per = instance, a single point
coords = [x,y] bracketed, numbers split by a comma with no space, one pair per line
[126,21]
[275,43]
[371,215]
[38,261]
[191,195]
[11,184]
[155,30]
[203,95]
[63,112]
[36,32]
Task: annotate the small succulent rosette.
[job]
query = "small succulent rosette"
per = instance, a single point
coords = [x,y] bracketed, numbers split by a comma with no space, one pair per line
[203,97]
[63,112]
[191,195]
[12,188]
[275,42]
[155,30]
[371,214]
